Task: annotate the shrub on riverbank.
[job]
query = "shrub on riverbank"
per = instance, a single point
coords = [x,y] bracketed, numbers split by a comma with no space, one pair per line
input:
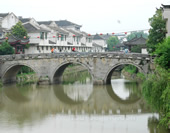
[0,83]
[156,90]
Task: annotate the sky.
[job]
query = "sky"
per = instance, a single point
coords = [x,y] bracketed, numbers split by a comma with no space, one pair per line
[95,16]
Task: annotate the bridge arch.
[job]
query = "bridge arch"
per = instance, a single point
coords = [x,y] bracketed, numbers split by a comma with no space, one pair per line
[58,71]
[9,75]
[108,76]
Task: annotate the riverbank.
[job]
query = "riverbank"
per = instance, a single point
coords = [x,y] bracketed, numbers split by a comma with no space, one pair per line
[138,77]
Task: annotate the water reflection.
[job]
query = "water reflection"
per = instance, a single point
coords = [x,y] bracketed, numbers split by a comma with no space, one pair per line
[124,91]
[73,94]
[74,108]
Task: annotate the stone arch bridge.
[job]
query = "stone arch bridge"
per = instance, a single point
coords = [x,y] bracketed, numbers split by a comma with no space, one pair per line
[99,65]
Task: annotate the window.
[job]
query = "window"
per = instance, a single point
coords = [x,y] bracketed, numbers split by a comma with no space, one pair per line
[0,34]
[42,47]
[77,40]
[89,40]
[74,38]
[46,47]
[42,35]
[62,37]
[38,48]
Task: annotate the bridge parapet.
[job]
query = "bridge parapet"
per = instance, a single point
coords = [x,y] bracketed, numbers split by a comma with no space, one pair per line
[116,55]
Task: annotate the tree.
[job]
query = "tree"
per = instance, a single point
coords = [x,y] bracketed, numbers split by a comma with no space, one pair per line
[112,42]
[18,30]
[157,32]
[163,54]
[137,34]
[6,48]
[156,88]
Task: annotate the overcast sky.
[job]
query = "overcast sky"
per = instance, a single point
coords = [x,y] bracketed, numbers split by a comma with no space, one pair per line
[95,16]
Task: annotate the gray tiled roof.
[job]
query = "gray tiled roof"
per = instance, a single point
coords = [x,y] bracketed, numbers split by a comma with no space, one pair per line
[96,45]
[13,40]
[51,42]
[2,15]
[136,41]
[59,30]
[74,32]
[166,6]
[23,20]
[64,23]
[106,36]
[32,29]
[98,37]
[44,22]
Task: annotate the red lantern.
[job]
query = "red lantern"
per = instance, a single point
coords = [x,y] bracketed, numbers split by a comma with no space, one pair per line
[59,36]
[101,34]
[25,37]
[6,38]
[113,33]
[89,34]
[74,35]
[38,37]
[53,36]
[125,32]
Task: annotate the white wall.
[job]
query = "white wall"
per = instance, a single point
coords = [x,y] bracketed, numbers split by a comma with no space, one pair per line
[166,15]
[9,21]
[144,51]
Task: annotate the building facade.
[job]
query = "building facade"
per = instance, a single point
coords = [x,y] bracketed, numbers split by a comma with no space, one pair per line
[63,35]
[166,16]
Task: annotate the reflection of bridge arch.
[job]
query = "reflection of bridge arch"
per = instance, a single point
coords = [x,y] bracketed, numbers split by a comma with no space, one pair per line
[118,99]
[58,72]
[15,95]
[10,73]
[59,93]
[109,73]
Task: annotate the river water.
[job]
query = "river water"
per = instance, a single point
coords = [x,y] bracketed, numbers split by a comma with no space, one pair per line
[76,107]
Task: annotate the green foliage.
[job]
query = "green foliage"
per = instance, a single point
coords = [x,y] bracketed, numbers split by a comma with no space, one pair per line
[1,84]
[156,90]
[112,42]
[130,68]
[25,70]
[6,48]
[141,76]
[18,30]
[137,34]
[163,54]
[136,49]
[27,46]
[157,32]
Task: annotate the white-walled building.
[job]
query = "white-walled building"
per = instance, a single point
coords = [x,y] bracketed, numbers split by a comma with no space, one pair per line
[99,40]
[62,35]
[166,16]
[7,21]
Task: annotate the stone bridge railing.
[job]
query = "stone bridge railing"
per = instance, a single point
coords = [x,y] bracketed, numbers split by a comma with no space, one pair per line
[116,55]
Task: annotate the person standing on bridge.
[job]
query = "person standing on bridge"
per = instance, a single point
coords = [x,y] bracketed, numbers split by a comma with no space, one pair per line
[52,50]
[74,49]
[126,51]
